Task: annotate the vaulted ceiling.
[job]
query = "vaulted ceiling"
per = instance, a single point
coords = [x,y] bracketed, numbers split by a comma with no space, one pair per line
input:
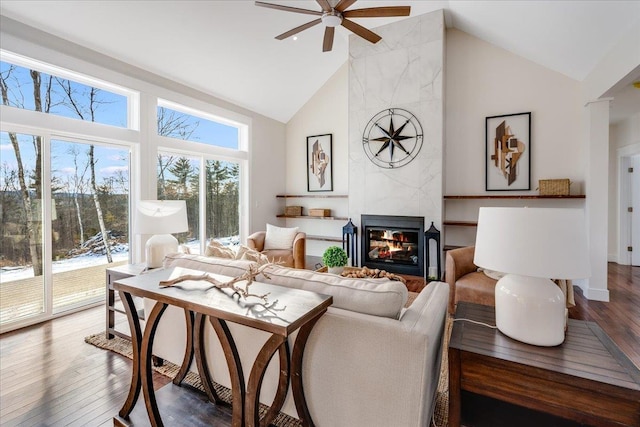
[227,48]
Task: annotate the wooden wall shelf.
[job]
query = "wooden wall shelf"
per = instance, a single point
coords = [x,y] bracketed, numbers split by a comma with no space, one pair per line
[461,223]
[511,196]
[325,238]
[312,196]
[339,218]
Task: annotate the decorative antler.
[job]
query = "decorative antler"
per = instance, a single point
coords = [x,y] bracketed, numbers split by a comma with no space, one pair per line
[248,275]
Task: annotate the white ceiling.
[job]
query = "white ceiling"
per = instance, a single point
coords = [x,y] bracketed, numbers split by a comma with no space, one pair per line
[227,48]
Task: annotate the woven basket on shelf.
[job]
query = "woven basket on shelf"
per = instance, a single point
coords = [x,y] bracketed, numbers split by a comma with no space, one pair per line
[554,187]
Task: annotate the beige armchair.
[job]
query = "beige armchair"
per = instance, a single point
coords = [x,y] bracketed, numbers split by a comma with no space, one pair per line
[294,257]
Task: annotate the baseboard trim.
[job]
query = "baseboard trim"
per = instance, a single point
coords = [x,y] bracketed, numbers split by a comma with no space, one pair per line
[597,294]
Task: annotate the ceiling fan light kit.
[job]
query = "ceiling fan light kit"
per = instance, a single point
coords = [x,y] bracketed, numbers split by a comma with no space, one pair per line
[337,15]
[331,19]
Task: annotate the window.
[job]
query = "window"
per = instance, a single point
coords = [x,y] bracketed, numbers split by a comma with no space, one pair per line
[65,184]
[59,195]
[31,88]
[175,121]
[214,212]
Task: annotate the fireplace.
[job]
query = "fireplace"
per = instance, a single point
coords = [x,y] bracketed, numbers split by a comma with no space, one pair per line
[393,243]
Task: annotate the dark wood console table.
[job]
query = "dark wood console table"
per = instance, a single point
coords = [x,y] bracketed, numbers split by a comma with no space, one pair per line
[586,379]
[286,311]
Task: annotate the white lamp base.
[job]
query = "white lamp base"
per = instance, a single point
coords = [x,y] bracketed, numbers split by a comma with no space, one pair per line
[530,309]
[157,247]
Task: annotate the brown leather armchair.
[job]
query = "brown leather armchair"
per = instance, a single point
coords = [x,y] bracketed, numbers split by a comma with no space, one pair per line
[466,283]
[294,257]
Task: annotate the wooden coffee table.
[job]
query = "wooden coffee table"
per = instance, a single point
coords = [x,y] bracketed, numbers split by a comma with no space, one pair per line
[286,311]
[586,379]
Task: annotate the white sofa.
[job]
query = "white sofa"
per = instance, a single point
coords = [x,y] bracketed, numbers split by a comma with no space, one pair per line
[368,361]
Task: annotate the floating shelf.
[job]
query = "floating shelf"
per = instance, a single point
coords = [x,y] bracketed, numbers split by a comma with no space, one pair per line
[325,238]
[511,196]
[461,223]
[313,196]
[339,218]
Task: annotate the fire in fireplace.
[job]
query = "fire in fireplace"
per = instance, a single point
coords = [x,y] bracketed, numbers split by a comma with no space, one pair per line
[393,243]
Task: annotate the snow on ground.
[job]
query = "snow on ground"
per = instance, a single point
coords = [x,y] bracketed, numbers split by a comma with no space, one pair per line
[119,253]
[9,274]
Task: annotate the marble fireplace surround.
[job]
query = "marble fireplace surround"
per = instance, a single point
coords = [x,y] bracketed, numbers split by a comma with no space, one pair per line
[403,70]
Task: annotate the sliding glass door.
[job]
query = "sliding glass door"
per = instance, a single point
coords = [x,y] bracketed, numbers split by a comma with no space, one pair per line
[64,219]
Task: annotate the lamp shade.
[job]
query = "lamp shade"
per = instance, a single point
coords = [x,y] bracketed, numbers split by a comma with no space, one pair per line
[161,217]
[537,242]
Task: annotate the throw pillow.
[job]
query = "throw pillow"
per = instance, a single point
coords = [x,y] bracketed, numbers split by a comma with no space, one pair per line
[279,237]
[217,249]
[255,256]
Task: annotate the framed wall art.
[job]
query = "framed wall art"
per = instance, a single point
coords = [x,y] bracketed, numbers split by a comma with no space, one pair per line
[319,163]
[508,152]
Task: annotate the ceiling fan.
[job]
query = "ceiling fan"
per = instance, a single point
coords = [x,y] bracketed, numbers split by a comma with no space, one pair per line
[332,16]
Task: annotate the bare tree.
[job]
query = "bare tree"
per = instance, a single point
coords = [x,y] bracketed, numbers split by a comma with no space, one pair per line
[173,125]
[32,217]
[87,112]
[76,187]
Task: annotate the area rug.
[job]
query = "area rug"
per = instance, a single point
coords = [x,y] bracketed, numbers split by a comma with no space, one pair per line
[168,369]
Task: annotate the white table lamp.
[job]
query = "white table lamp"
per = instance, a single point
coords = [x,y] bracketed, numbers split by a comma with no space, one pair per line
[160,218]
[533,246]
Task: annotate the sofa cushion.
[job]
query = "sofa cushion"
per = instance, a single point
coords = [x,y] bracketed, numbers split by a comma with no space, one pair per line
[224,266]
[377,297]
[217,249]
[279,237]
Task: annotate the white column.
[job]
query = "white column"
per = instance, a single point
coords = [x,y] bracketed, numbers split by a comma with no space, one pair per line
[597,211]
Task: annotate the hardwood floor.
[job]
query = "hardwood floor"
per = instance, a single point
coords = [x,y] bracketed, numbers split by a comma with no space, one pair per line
[620,317]
[50,377]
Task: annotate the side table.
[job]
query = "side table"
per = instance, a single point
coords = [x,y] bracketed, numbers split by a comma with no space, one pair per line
[111,309]
[586,379]
[288,310]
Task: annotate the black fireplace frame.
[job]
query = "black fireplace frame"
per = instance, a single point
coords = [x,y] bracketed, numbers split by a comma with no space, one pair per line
[406,223]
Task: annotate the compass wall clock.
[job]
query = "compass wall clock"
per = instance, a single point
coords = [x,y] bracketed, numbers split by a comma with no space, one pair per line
[392,138]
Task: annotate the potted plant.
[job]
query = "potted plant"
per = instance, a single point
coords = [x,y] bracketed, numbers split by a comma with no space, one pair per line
[335,258]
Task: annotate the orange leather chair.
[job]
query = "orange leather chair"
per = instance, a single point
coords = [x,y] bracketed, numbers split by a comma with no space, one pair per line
[466,283]
[294,257]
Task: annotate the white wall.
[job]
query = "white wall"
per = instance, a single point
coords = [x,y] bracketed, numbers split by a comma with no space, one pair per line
[616,69]
[326,112]
[484,80]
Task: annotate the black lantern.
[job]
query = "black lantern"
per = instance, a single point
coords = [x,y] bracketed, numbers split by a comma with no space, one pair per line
[349,233]
[432,233]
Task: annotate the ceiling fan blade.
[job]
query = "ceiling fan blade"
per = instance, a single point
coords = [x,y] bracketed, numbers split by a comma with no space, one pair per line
[324,4]
[287,8]
[361,31]
[378,12]
[344,4]
[327,44]
[298,29]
